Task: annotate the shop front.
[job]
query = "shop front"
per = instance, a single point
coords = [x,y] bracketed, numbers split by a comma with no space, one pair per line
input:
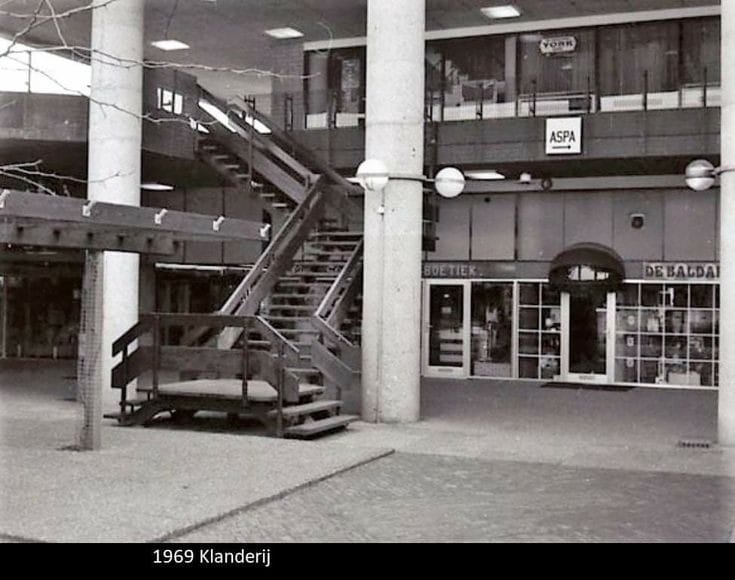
[586,322]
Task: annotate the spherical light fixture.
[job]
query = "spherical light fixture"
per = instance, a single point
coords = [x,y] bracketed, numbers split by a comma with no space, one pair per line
[449,182]
[700,175]
[372,175]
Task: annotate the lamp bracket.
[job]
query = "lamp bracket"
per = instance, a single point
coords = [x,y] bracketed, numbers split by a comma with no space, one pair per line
[409,177]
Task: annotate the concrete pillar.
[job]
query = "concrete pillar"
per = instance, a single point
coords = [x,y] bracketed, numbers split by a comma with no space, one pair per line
[391,320]
[726,393]
[114,157]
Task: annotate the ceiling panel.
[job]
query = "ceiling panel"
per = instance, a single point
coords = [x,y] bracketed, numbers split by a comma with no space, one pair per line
[230,33]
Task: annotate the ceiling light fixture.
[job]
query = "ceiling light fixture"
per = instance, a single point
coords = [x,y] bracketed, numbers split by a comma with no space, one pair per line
[484,175]
[496,12]
[170,44]
[283,33]
[156,187]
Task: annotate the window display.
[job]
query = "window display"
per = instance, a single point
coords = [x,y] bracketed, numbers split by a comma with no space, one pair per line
[492,329]
[666,334]
[539,331]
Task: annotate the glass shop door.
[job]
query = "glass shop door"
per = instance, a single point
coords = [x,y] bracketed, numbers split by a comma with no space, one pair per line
[588,325]
[446,329]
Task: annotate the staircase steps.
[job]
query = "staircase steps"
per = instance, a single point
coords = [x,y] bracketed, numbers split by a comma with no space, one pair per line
[298,283]
[320,263]
[324,250]
[295,296]
[311,428]
[288,331]
[279,318]
[341,234]
[331,243]
[306,409]
[308,372]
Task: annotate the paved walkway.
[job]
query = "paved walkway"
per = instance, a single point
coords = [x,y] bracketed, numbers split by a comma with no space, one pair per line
[145,484]
[490,461]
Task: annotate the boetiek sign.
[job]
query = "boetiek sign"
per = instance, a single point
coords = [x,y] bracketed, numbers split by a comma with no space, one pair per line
[708,271]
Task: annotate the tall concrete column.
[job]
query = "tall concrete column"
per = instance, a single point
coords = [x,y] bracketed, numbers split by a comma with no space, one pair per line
[391,323]
[726,393]
[114,157]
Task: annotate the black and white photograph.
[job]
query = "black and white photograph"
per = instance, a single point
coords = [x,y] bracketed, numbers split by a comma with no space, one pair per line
[330,272]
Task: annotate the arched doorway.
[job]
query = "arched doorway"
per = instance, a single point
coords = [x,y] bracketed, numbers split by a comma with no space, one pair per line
[587,276]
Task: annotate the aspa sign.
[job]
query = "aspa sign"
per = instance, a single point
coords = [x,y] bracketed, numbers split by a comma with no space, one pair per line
[558,44]
[564,136]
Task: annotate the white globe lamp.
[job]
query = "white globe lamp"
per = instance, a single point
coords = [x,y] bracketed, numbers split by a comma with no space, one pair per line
[372,175]
[700,175]
[449,182]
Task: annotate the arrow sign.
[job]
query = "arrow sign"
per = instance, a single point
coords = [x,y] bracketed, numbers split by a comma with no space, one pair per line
[564,136]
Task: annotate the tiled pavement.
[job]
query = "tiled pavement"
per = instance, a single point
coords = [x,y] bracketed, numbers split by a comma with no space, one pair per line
[490,461]
[420,497]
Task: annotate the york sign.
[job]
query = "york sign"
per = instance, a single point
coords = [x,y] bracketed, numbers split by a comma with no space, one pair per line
[558,44]
[564,136]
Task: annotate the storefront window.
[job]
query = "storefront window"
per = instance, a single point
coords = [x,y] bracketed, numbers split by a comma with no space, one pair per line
[446,312]
[667,334]
[335,88]
[557,72]
[474,83]
[701,62]
[637,59]
[539,331]
[492,329]
[42,316]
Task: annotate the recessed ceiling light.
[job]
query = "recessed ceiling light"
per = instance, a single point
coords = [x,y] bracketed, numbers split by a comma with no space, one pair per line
[507,11]
[156,187]
[282,33]
[170,44]
[484,175]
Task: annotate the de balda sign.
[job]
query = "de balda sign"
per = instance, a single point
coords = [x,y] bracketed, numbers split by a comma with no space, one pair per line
[563,135]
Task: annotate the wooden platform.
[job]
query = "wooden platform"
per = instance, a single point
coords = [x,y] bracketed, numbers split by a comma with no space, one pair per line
[229,389]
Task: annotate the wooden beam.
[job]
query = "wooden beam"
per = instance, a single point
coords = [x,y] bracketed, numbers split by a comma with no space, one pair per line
[52,235]
[69,212]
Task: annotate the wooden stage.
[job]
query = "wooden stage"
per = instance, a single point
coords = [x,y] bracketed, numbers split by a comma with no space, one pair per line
[258,391]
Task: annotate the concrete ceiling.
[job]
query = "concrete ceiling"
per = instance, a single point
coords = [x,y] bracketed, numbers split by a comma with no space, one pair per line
[230,33]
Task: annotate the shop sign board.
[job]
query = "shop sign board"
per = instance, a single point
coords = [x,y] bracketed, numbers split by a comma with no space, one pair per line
[683,271]
[557,44]
[468,270]
[563,135]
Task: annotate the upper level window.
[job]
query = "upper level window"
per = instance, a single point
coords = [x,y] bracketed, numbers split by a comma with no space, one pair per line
[638,59]
[335,88]
[638,66]
[473,77]
[557,61]
[25,69]
[701,51]
[170,101]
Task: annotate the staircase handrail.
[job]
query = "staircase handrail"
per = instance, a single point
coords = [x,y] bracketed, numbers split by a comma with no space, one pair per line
[247,130]
[298,150]
[329,314]
[272,252]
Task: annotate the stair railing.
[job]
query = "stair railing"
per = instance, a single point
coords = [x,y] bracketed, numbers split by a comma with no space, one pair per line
[333,354]
[234,129]
[248,363]
[296,149]
[333,308]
